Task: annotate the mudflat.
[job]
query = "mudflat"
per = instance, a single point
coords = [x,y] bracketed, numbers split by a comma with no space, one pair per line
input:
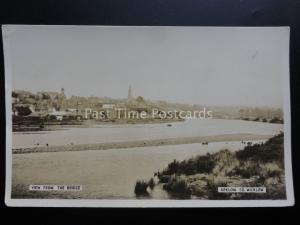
[144,143]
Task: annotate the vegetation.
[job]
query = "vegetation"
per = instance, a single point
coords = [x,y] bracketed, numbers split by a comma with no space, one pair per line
[271,151]
[199,164]
[151,183]
[141,188]
[177,187]
[276,120]
[246,170]
[258,165]
[264,119]
[23,110]
[213,193]
[260,112]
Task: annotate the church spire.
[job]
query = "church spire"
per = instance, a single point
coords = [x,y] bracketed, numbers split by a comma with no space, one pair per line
[129,92]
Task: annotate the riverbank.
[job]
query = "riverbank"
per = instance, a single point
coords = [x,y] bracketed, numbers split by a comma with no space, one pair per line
[258,165]
[143,143]
[33,125]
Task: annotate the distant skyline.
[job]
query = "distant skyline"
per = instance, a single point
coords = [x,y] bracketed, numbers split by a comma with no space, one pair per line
[206,66]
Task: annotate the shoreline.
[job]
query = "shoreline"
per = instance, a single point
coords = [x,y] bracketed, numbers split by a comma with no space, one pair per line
[142,143]
[53,126]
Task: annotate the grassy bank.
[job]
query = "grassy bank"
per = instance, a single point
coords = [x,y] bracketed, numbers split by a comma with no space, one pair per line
[258,165]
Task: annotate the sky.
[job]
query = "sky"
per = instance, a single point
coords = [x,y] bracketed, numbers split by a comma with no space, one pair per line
[195,65]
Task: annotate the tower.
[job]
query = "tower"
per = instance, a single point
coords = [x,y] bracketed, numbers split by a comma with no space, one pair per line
[62,91]
[129,93]
[61,99]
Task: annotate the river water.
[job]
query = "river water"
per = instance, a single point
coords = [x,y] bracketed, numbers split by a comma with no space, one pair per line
[112,173]
[131,132]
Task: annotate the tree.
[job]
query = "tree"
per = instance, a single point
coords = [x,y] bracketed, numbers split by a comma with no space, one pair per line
[14,94]
[23,110]
[140,99]
[46,96]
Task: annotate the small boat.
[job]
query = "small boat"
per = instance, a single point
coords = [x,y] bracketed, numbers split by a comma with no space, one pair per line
[169,125]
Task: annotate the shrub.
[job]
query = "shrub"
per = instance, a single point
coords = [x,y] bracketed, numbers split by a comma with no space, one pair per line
[173,167]
[23,110]
[205,164]
[199,164]
[246,170]
[164,178]
[151,183]
[178,188]
[271,151]
[141,188]
[274,173]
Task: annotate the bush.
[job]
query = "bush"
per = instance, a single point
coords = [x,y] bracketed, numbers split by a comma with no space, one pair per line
[178,188]
[163,178]
[141,188]
[205,164]
[23,110]
[151,183]
[246,170]
[173,167]
[271,151]
[274,173]
[200,164]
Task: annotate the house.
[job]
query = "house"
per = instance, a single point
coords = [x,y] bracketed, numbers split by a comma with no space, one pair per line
[108,106]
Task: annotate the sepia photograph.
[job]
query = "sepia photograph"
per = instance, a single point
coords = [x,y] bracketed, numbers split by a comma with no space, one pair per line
[128,116]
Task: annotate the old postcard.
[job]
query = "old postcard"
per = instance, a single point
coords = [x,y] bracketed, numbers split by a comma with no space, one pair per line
[108,116]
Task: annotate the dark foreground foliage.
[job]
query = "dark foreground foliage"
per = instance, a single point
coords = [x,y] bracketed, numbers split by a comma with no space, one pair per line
[271,151]
[199,164]
[151,183]
[141,188]
[178,188]
[259,165]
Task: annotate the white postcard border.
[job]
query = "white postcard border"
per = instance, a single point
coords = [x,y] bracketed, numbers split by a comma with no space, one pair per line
[6,29]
